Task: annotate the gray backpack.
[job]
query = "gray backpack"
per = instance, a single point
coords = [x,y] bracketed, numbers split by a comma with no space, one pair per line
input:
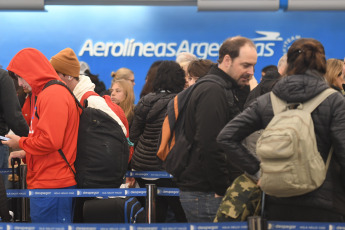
[290,162]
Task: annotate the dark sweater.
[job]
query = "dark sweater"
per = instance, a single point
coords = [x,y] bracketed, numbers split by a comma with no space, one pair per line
[210,107]
[11,116]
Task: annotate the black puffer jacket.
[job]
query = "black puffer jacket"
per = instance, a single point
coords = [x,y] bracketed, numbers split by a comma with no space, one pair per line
[147,124]
[329,123]
[11,116]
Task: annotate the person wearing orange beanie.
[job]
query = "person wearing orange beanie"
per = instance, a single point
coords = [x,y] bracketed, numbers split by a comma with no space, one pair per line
[67,66]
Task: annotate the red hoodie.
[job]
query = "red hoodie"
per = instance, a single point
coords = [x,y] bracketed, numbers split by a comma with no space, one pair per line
[57,125]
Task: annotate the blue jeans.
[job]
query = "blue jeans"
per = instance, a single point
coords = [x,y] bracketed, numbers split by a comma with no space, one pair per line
[199,206]
[52,209]
[4,153]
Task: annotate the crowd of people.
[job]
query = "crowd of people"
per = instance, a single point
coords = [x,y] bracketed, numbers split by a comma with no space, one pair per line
[223,122]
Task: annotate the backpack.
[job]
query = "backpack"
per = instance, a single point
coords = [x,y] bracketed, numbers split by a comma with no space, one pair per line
[102,148]
[173,146]
[117,110]
[114,210]
[290,162]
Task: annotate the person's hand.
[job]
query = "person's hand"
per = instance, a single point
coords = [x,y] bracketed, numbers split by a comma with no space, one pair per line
[13,142]
[130,181]
[216,195]
[17,154]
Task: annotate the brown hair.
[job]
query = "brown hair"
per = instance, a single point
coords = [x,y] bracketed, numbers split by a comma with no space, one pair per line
[306,54]
[231,47]
[150,76]
[199,68]
[128,104]
[334,70]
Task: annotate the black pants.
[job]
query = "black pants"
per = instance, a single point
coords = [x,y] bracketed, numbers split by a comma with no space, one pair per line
[163,202]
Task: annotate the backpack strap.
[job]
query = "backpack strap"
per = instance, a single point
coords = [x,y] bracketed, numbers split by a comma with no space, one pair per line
[278,105]
[64,157]
[86,95]
[57,82]
[316,101]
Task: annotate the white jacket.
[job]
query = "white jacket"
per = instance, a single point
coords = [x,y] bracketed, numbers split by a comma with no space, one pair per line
[84,85]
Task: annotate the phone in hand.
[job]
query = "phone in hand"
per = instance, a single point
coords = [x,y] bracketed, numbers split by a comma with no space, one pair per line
[2,138]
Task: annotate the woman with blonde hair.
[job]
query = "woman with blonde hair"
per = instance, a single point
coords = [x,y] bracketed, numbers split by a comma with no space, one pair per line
[122,94]
[124,73]
[335,75]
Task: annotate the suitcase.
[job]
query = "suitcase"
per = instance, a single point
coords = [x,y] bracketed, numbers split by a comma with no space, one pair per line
[114,210]
[15,202]
[4,210]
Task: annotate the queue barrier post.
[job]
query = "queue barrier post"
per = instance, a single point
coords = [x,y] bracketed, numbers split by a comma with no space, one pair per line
[151,193]
[24,201]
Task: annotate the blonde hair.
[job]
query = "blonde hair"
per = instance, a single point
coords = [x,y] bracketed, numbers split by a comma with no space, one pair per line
[128,104]
[334,68]
[185,57]
[122,73]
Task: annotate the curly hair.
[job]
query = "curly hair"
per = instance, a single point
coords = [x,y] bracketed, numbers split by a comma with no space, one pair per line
[306,54]
[170,76]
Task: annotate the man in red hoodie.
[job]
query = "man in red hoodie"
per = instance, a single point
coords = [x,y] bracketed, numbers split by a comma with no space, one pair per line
[54,125]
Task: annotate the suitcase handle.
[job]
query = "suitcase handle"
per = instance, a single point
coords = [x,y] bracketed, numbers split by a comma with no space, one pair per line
[13,163]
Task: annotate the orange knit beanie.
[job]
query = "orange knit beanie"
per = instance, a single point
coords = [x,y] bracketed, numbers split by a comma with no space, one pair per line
[66,62]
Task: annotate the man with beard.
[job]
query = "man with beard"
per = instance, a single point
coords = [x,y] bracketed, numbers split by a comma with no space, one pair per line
[211,106]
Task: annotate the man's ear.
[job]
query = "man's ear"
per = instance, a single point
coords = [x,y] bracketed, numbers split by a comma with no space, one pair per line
[227,60]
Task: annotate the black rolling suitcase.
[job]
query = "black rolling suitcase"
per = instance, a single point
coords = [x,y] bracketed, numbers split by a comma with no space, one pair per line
[15,202]
[4,210]
[113,210]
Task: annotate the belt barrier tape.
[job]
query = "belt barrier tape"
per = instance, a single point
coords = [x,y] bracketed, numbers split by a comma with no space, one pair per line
[89,192]
[146,174]
[176,226]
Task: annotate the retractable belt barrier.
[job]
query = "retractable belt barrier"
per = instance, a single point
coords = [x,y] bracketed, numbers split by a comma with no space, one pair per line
[7,171]
[147,174]
[89,192]
[177,226]
[150,192]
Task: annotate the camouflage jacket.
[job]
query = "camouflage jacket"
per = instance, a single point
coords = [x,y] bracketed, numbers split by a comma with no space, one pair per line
[242,199]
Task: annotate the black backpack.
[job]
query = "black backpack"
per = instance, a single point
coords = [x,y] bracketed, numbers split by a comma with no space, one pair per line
[102,149]
[114,210]
[173,146]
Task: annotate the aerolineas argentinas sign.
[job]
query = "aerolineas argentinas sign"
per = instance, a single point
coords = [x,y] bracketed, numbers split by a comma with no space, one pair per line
[265,44]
